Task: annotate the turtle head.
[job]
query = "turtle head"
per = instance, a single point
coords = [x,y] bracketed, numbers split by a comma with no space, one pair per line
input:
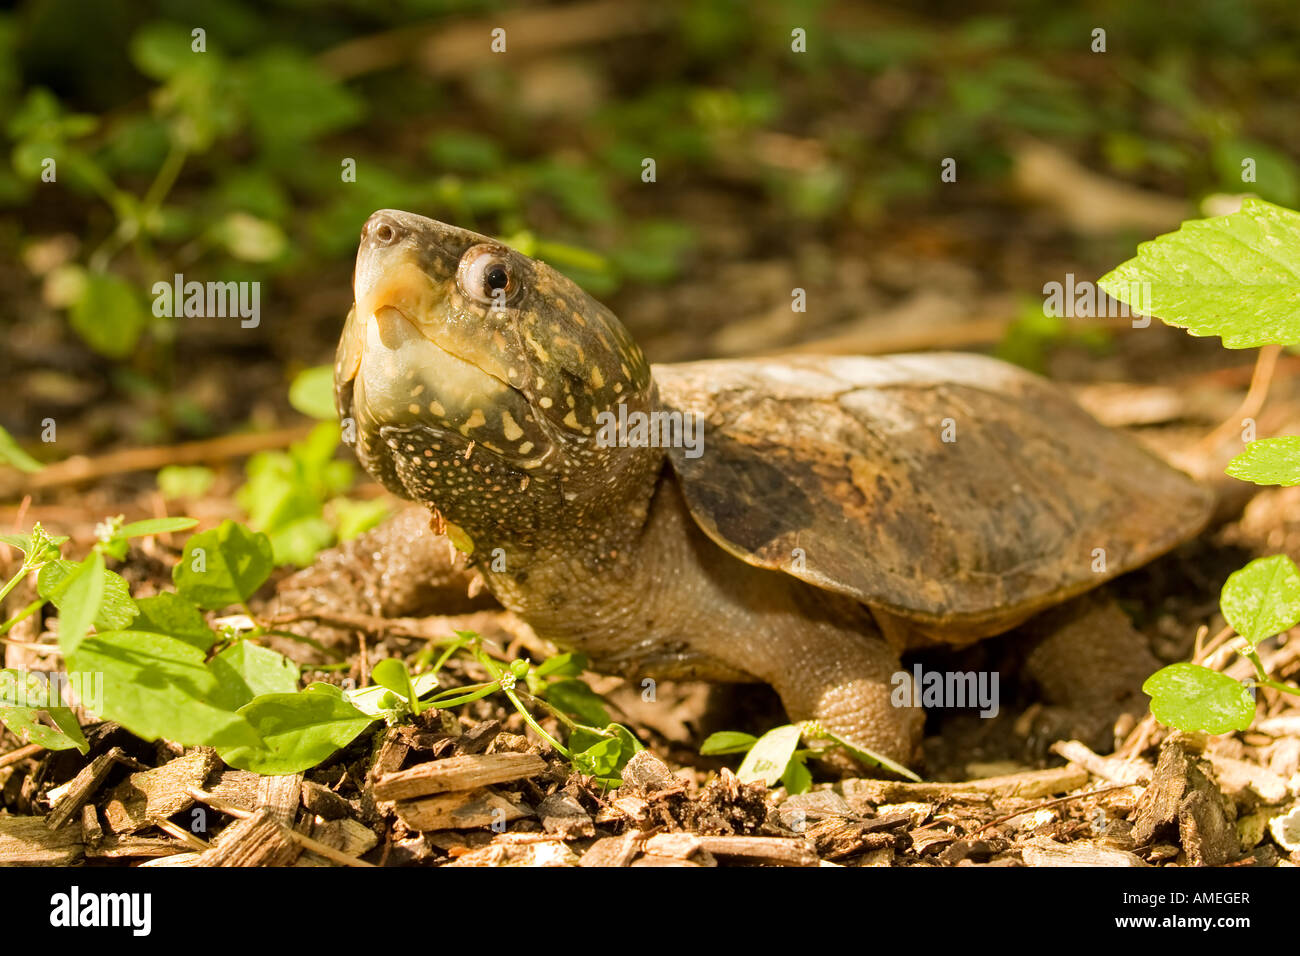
[473,377]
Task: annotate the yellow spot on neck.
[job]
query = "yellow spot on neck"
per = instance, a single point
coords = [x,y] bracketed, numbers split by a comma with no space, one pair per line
[510,427]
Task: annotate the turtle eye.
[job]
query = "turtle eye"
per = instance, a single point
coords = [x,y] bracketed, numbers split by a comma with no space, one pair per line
[486,275]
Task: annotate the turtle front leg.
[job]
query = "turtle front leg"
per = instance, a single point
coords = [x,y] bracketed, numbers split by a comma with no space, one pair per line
[844,679]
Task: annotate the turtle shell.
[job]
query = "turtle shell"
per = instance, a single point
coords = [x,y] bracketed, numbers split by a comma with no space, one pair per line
[950,490]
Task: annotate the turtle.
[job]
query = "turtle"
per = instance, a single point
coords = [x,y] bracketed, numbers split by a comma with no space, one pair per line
[796,521]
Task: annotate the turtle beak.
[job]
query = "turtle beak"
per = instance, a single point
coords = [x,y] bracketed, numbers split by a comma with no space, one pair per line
[391,269]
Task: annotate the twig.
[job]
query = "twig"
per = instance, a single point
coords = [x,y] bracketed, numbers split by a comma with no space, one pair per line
[81,468]
[21,754]
[1052,803]
[228,808]
[181,833]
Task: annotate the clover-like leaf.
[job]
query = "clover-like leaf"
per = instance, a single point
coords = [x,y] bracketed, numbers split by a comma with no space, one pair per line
[1235,276]
[1269,461]
[1263,598]
[1191,697]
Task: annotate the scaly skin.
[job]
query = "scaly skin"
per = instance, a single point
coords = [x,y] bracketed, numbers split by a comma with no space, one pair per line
[593,546]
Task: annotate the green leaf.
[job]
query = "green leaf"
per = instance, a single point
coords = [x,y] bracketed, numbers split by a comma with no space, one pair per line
[109,315]
[298,542]
[1191,697]
[604,756]
[169,613]
[1263,598]
[392,673]
[299,731]
[871,758]
[223,566]
[157,686]
[81,594]
[114,608]
[38,540]
[11,453]
[312,392]
[368,700]
[1269,461]
[562,665]
[249,238]
[575,698]
[353,518]
[1235,276]
[727,742]
[23,697]
[143,529]
[768,758]
[24,723]
[601,759]
[290,99]
[185,481]
[797,777]
[161,50]
[246,670]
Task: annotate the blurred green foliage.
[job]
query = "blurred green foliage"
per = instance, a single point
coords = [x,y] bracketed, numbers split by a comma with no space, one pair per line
[229,163]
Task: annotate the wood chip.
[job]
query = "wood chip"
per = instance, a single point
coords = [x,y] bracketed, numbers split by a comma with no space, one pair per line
[1045,852]
[457,773]
[259,840]
[1114,770]
[133,847]
[159,792]
[176,859]
[1247,782]
[459,811]
[236,787]
[477,738]
[280,796]
[81,787]
[613,851]
[634,808]
[27,841]
[348,836]
[774,851]
[92,833]
[324,802]
[540,853]
[562,815]
[1181,795]
[1028,785]
[681,846]
[647,774]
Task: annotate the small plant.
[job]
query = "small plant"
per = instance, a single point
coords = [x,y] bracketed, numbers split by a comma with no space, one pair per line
[777,754]
[1237,277]
[157,668]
